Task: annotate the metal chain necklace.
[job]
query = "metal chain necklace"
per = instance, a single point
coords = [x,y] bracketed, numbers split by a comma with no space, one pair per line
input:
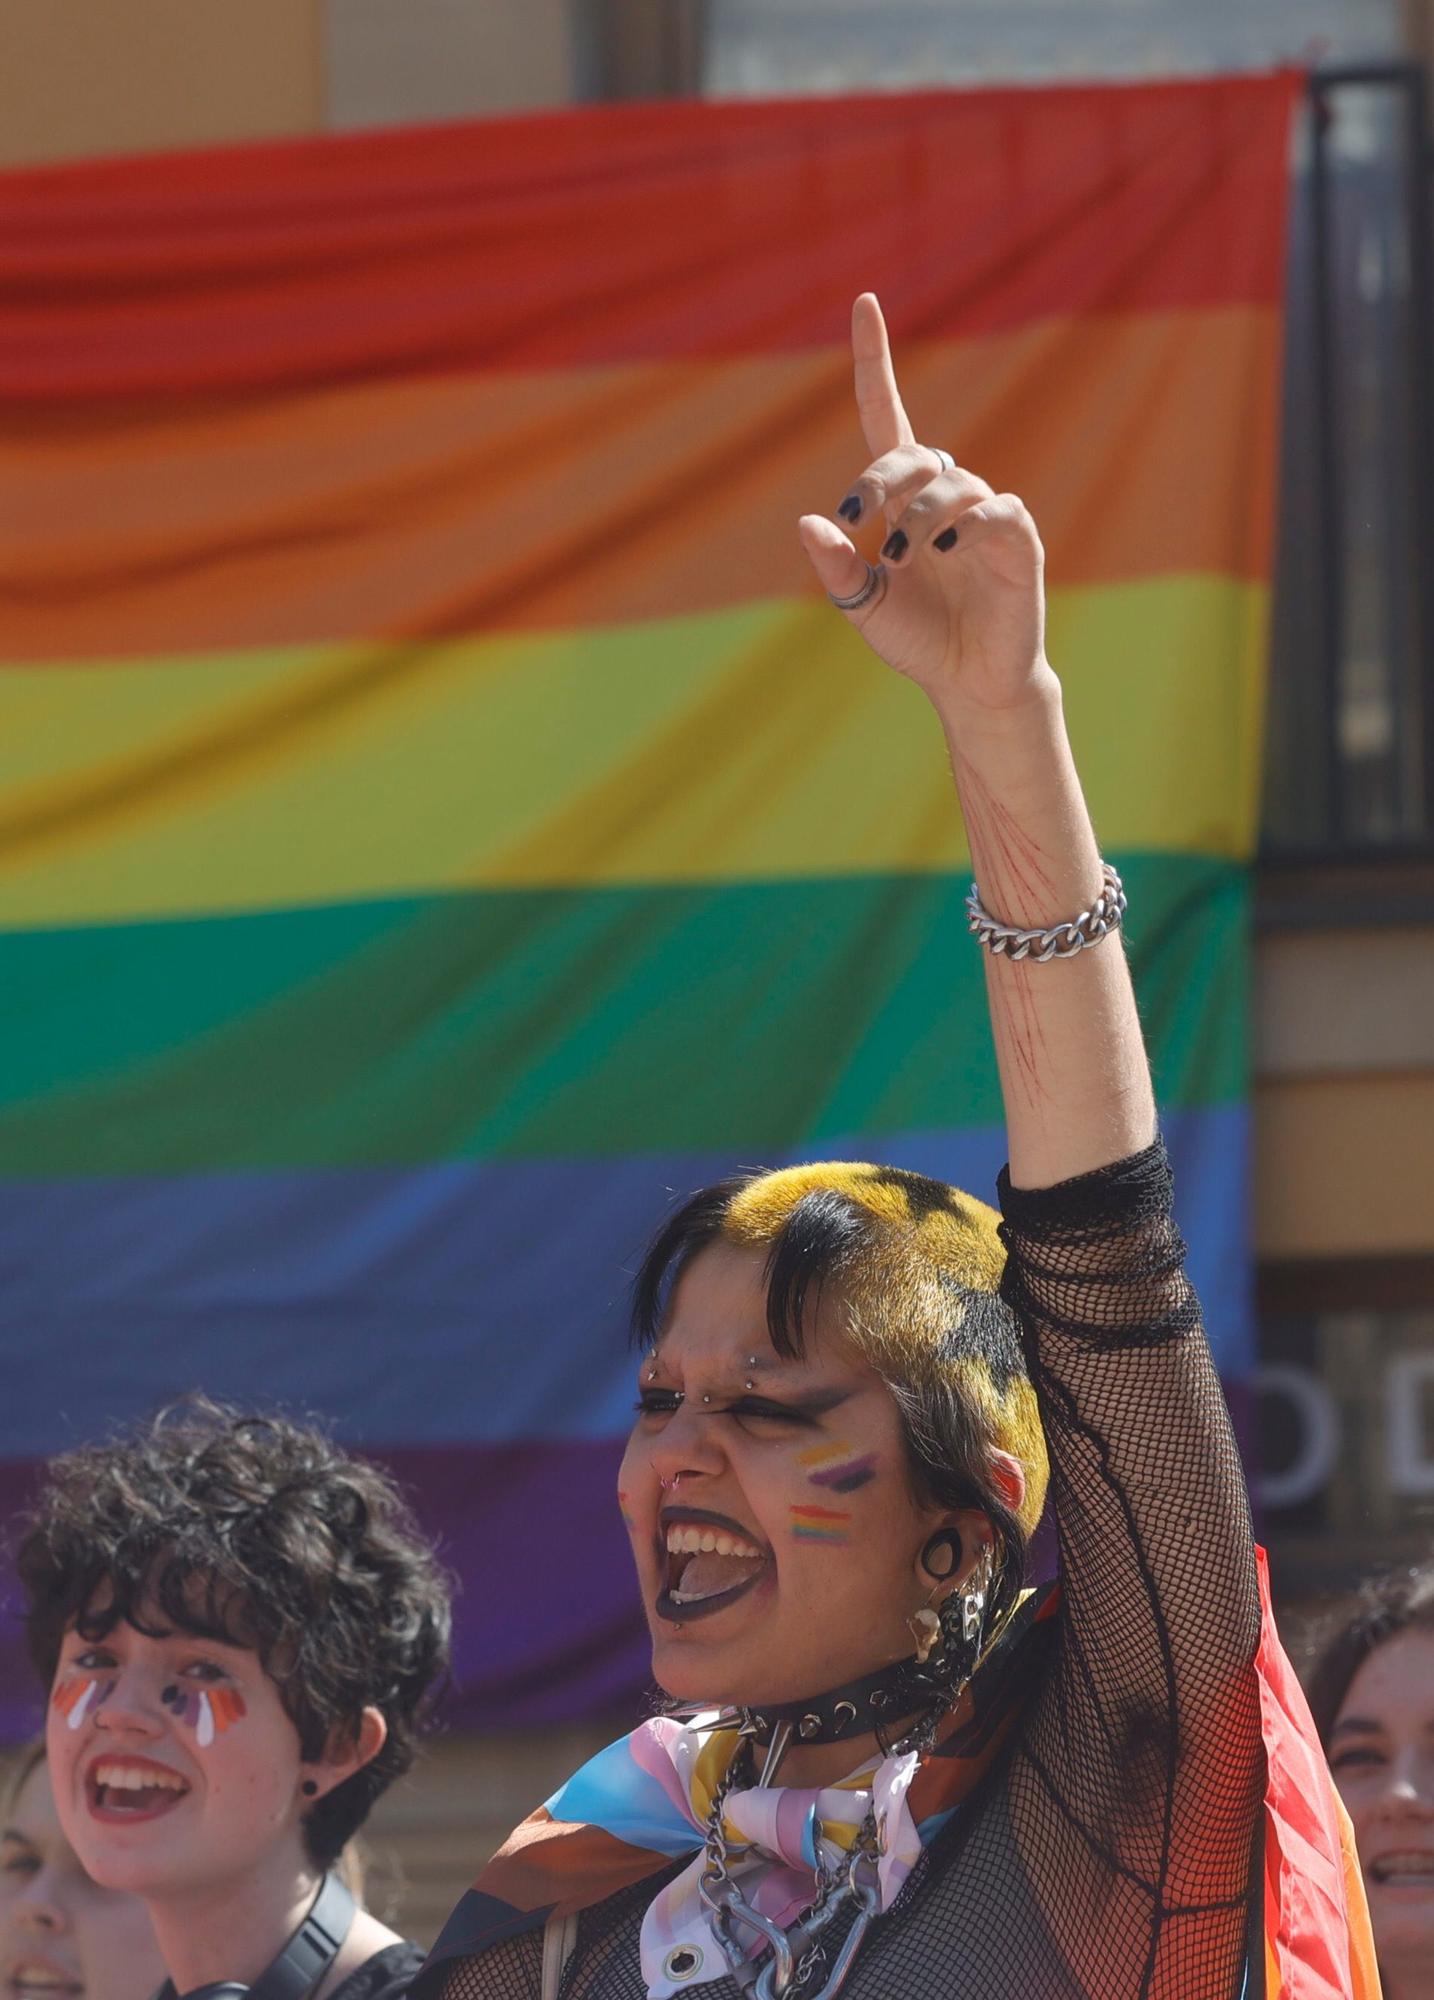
[848,1888]
[798,1953]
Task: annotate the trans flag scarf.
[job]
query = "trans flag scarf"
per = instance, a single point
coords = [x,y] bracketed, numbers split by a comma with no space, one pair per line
[642,1804]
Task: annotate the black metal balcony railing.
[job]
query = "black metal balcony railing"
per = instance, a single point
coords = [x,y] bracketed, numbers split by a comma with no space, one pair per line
[1350,765]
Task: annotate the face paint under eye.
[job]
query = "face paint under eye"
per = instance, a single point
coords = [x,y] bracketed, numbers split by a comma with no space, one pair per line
[622,1509]
[819,1524]
[836,1466]
[206,1710]
[80,1698]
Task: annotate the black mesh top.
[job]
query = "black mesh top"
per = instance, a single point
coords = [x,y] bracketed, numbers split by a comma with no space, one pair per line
[1108,1855]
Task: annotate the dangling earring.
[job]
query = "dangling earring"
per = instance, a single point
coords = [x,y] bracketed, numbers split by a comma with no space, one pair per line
[925,1628]
[940,1558]
[973,1601]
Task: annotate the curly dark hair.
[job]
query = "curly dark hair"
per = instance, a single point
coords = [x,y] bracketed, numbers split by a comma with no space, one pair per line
[1401,1601]
[257,1531]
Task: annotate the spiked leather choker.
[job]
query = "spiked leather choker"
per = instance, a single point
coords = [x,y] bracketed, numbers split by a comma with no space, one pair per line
[887,1696]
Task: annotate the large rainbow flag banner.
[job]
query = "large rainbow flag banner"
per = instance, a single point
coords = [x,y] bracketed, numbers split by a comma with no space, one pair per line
[439,817]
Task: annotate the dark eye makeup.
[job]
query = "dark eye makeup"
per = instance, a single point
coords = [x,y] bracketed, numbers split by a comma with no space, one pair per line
[1343,1760]
[805,1410]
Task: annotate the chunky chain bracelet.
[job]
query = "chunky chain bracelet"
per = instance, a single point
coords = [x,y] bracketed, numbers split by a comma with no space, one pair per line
[1061,940]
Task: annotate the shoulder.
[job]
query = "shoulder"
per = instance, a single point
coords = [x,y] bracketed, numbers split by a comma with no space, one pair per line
[386,1976]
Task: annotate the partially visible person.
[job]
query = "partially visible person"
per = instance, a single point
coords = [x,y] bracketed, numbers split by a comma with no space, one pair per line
[63,1937]
[240,1627]
[1371,1691]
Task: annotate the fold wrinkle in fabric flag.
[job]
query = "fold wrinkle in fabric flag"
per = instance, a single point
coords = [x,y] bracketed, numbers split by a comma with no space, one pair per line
[441,818]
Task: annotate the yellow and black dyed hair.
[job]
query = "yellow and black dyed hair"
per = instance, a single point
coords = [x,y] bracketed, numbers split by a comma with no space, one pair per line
[916,1267]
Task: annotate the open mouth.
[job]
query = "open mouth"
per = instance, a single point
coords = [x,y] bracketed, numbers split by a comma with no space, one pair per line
[122,1790]
[32,1978]
[1409,1868]
[710,1561]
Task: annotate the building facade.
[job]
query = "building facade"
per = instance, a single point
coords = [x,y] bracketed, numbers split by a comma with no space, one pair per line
[1343,1029]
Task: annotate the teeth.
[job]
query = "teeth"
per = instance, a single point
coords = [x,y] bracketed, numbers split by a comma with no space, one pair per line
[1412,1866]
[126,1778]
[709,1541]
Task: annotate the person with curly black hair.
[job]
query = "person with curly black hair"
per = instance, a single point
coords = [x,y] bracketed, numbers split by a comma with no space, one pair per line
[241,1628]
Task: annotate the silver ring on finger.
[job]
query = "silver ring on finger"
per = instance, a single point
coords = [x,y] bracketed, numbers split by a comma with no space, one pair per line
[948,463]
[860,597]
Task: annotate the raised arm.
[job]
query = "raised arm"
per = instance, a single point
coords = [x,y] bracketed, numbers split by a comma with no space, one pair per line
[965,621]
[1147,1751]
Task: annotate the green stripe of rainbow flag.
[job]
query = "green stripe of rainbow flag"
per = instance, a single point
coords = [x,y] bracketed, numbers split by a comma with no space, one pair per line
[423,746]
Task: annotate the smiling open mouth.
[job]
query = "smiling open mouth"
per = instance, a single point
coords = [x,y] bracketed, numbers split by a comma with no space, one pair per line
[1409,1869]
[710,1562]
[120,1789]
[29,1977]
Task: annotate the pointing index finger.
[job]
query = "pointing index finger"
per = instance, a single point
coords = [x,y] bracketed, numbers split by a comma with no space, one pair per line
[878,399]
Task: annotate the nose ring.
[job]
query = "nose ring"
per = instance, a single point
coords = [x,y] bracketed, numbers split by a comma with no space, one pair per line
[668,1485]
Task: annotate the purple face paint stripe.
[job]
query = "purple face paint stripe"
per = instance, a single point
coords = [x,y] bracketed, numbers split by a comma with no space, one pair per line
[846,1478]
[183,1701]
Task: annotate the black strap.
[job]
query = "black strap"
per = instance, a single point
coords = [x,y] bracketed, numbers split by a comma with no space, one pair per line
[889,1695]
[303,1961]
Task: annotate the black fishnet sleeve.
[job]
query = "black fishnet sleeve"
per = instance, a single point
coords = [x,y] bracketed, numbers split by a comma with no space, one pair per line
[1135,1797]
[512,1970]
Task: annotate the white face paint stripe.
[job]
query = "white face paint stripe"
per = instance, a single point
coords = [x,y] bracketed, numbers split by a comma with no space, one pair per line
[77,1714]
[204,1730]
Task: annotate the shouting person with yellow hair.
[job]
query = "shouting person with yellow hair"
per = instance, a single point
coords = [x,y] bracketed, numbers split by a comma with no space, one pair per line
[889,1767]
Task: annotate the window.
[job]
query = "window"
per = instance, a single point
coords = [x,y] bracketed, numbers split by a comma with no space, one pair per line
[755,48]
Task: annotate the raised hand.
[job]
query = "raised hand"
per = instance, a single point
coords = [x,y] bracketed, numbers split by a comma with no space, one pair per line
[959,603]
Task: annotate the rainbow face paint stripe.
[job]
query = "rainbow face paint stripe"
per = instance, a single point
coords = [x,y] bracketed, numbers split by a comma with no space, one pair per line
[207,1711]
[79,1698]
[836,1466]
[819,1524]
[622,1509]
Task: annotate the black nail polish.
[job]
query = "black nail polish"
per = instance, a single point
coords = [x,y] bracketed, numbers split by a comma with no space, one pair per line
[895,547]
[850,508]
[945,540]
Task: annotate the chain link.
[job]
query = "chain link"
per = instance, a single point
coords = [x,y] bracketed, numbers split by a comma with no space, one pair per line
[1062,940]
[800,1952]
